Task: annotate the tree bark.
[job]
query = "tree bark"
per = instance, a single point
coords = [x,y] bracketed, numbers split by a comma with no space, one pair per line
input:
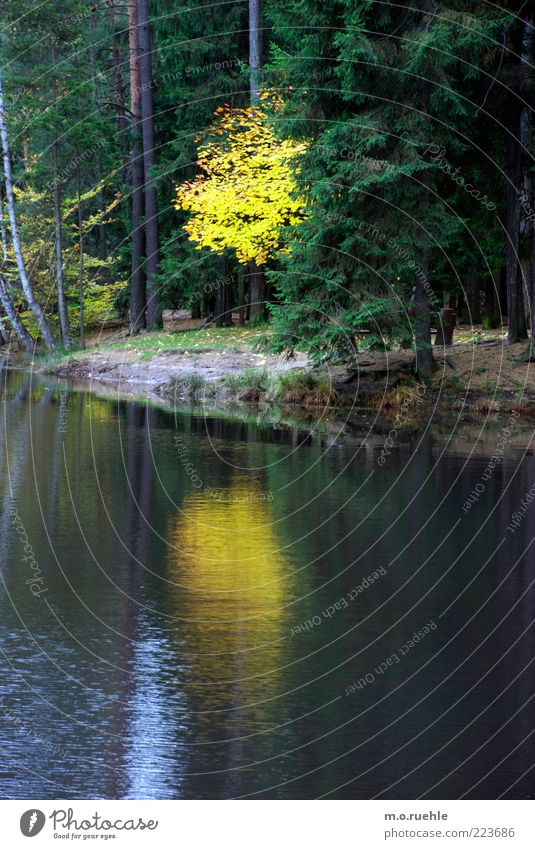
[34,306]
[474,288]
[257,293]
[425,362]
[81,260]
[532,264]
[62,303]
[492,290]
[22,334]
[255,46]
[152,245]
[512,223]
[241,298]
[119,87]
[3,239]
[527,137]
[3,234]
[137,279]
[102,239]
[257,284]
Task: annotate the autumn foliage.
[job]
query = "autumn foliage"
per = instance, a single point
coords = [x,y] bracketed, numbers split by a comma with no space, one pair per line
[246,195]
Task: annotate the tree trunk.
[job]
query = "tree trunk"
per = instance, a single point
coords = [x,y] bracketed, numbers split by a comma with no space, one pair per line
[34,306]
[62,304]
[119,87]
[425,362]
[527,138]
[137,280]
[515,302]
[257,293]
[22,334]
[3,234]
[219,305]
[241,298]
[81,261]
[152,245]
[3,239]
[474,288]
[102,239]
[255,46]
[532,264]
[257,286]
[490,317]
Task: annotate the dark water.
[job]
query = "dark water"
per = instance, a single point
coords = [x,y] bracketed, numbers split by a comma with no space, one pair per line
[158,649]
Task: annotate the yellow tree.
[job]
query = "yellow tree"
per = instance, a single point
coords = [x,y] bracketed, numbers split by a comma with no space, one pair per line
[247,193]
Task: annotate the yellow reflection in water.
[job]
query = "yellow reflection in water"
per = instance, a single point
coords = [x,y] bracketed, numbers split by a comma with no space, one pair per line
[229,588]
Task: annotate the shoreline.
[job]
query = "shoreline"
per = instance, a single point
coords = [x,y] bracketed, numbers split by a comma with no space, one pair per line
[479,377]
[473,380]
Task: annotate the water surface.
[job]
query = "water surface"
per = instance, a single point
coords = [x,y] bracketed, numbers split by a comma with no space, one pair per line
[200,607]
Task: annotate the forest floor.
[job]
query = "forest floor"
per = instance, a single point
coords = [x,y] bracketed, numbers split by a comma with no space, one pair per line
[478,374]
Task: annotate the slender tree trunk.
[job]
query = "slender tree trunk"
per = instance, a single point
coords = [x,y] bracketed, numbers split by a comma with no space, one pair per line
[22,334]
[241,298]
[257,284]
[62,303]
[119,87]
[219,304]
[226,294]
[527,138]
[257,293]
[255,46]
[26,154]
[512,222]
[3,234]
[3,239]
[228,304]
[34,306]
[137,280]
[102,239]
[152,245]
[81,261]
[474,288]
[532,264]
[425,361]
[492,289]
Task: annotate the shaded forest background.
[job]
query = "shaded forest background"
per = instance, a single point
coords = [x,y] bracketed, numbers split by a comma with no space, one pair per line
[410,187]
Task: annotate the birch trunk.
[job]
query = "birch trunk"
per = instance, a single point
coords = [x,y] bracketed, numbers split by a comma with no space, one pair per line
[81,262]
[3,238]
[21,333]
[62,303]
[10,200]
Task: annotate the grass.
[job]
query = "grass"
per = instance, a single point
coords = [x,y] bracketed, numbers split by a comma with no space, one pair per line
[468,334]
[305,389]
[253,386]
[297,388]
[47,360]
[250,385]
[148,345]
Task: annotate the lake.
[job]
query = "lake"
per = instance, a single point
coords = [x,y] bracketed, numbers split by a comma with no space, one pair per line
[207,607]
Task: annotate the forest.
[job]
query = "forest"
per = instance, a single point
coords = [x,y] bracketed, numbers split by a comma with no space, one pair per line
[339,172]
[267,312]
